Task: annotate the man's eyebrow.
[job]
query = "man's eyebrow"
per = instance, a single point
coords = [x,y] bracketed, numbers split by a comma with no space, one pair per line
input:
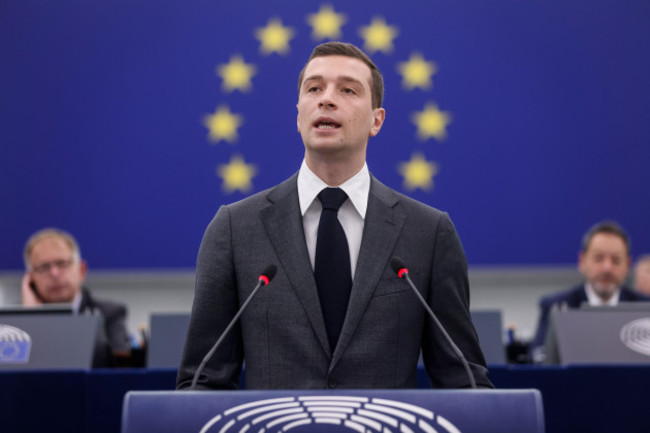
[344,78]
[312,78]
[350,79]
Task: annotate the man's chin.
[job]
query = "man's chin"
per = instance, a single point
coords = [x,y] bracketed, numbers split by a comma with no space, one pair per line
[605,291]
[58,298]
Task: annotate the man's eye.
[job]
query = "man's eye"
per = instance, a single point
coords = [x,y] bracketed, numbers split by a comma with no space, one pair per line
[348,90]
[312,89]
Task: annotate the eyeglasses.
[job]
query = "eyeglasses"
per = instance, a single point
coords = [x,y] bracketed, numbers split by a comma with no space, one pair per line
[46,267]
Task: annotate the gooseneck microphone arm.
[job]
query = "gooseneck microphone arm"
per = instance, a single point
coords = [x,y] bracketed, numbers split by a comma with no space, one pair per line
[264,279]
[400,269]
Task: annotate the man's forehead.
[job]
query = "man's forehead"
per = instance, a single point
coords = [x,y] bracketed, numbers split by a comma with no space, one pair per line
[349,68]
[51,242]
[606,242]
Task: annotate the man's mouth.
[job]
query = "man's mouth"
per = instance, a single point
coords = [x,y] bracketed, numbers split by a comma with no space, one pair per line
[326,125]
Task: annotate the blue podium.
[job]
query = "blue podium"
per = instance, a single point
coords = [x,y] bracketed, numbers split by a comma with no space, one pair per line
[363,411]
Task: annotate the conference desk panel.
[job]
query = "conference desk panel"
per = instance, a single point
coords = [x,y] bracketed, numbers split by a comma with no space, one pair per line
[585,398]
[39,401]
[576,398]
[105,391]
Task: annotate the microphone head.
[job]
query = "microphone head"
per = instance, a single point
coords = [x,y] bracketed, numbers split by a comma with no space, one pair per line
[398,266]
[268,273]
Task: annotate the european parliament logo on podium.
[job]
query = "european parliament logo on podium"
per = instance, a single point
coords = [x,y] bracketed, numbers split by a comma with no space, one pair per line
[327,414]
[15,345]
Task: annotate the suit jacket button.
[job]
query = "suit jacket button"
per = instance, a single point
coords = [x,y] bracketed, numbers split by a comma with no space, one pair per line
[332,383]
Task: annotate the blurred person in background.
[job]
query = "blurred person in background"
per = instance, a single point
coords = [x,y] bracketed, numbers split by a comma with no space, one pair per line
[604,262]
[55,273]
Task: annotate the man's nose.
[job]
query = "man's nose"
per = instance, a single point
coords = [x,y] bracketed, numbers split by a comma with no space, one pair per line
[608,265]
[327,98]
[55,270]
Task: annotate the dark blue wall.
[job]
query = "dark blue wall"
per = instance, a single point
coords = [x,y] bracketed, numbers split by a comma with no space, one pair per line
[101,108]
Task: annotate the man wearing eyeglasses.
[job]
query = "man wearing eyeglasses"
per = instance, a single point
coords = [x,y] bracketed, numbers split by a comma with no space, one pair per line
[55,273]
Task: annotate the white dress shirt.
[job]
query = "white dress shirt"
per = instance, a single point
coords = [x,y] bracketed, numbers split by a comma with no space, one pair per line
[351,215]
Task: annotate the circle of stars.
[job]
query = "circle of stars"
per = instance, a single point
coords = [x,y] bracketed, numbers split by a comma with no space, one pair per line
[274,38]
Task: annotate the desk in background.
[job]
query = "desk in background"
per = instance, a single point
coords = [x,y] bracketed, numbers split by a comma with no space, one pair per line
[576,398]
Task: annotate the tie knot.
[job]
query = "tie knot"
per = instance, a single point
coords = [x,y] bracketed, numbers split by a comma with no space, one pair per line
[332,198]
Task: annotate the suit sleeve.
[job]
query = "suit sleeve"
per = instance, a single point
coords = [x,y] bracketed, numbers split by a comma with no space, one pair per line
[118,336]
[215,304]
[449,299]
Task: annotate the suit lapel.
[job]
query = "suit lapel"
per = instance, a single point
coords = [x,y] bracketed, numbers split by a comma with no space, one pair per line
[283,223]
[578,297]
[381,230]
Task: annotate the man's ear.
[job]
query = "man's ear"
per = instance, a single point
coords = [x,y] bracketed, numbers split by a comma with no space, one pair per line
[83,269]
[298,117]
[581,261]
[379,114]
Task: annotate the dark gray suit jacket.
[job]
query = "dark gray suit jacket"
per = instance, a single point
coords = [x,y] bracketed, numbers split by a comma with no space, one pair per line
[282,337]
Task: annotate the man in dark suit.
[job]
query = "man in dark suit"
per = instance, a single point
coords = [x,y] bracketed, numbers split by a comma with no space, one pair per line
[604,261]
[55,274]
[293,335]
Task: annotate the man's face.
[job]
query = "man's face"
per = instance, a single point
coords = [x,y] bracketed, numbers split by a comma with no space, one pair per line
[605,263]
[335,114]
[54,271]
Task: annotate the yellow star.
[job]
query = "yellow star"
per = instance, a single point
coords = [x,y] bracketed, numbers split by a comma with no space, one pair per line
[418,173]
[223,124]
[378,36]
[326,23]
[274,37]
[236,74]
[236,175]
[431,122]
[416,72]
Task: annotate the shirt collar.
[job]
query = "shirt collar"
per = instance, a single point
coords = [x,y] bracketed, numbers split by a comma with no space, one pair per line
[76,302]
[357,188]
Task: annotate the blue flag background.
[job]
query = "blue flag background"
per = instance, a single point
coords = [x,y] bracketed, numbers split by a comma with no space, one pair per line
[128,123]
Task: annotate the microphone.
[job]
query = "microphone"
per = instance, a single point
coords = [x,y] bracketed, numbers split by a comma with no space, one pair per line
[265,277]
[402,271]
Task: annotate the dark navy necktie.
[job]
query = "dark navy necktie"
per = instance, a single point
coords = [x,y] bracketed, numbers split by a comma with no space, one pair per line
[332,268]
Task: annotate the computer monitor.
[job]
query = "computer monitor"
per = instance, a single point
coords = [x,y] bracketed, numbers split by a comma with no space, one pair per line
[621,306]
[167,332]
[54,308]
[489,327]
[47,341]
[604,335]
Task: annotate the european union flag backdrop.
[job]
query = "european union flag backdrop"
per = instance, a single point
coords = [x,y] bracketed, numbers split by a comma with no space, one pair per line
[129,122]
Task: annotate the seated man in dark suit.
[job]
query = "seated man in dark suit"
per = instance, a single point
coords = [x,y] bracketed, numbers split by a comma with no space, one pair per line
[604,261]
[55,274]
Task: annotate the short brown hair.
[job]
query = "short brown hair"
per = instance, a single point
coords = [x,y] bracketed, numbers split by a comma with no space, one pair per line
[46,233]
[609,227]
[349,50]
